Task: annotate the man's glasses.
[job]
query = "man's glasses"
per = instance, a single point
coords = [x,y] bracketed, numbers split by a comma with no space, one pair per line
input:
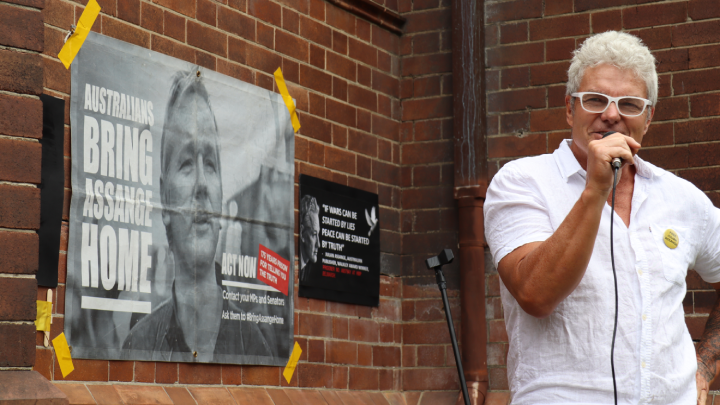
[597,103]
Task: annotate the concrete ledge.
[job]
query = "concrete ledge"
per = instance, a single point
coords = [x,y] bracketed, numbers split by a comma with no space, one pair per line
[29,388]
[90,394]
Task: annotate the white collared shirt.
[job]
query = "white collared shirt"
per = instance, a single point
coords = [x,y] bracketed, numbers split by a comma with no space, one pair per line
[565,357]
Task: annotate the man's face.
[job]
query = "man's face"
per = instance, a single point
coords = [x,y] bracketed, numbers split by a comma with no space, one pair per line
[586,126]
[192,188]
[310,238]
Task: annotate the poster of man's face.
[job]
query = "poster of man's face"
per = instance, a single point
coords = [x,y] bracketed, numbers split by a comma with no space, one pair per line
[181,219]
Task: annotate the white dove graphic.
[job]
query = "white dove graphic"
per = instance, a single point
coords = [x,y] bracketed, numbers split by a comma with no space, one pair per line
[371,219]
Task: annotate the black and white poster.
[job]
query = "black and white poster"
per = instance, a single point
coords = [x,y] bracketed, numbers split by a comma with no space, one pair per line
[181,219]
[338,243]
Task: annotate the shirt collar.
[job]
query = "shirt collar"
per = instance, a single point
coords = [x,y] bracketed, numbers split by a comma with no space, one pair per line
[568,164]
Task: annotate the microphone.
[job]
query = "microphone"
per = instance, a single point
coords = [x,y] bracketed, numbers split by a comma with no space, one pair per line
[616,162]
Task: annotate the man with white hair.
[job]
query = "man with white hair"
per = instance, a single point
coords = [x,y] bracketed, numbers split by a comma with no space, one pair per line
[548,226]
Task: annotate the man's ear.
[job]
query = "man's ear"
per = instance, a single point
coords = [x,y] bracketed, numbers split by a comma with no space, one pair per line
[302,233]
[569,110]
[650,115]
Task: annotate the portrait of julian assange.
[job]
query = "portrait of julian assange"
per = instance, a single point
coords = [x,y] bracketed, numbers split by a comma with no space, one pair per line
[309,235]
[563,254]
[187,326]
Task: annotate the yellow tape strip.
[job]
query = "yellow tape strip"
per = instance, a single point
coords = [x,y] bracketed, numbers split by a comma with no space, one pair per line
[76,40]
[62,352]
[292,361]
[288,100]
[44,314]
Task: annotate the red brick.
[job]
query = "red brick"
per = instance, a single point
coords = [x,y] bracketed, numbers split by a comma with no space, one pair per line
[667,158]
[151,17]
[704,105]
[515,54]
[317,57]
[701,57]
[548,120]
[516,100]
[386,128]
[606,21]
[566,26]
[696,325]
[234,70]
[207,60]
[560,49]
[291,45]
[705,154]
[19,255]
[655,37]
[426,64]
[17,300]
[262,59]
[697,131]
[511,146]
[385,83]
[17,345]
[364,75]
[340,352]
[696,32]
[85,370]
[236,23]
[20,208]
[659,134]
[339,88]
[129,10]
[513,10]
[425,379]
[385,39]
[339,42]
[125,32]
[517,122]
[426,333]
[362,52]
[705,179]
[172,48]
[426,108]
[315,325]
[186,7]
[58,13]
[427,198]
[515,77]
[315,79]
[517,32]
[315,128]
[261,375]
[21,27]
[20,161]
[121,371]
[549,73]
[341,66]
[427,152]
[315,32]
[21,72]
[362,143]
[338,159]
[315,375]
[174,26]
[556,7]
[425,43]
[265,10]
[704,301]
[364,379]
[22,116]
[317,105]
[207,38]
[145,371]
[341,113]
[432,20]
[193,373]
[431,356]
[340,19]
[362,30]
[672,109]
[654,14]
[207,12]
[702,9]
[362,97]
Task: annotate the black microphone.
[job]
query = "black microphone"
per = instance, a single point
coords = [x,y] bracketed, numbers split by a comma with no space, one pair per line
[616,162]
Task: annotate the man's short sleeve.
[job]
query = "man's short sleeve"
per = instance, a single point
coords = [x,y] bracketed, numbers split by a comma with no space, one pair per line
[514,213]
[707,263]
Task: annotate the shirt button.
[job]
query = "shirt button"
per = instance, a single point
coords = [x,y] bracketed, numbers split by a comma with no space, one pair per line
[644,317]
[642,364]
[640,272]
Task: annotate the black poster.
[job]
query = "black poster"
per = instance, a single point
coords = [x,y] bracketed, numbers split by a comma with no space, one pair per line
[338,243]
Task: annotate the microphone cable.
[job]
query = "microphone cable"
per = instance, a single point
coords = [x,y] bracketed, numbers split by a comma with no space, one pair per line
[615,164]
[612,260]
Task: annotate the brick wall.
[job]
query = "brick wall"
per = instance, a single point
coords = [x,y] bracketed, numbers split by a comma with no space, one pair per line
[528,49]
[21,75]
[375,111]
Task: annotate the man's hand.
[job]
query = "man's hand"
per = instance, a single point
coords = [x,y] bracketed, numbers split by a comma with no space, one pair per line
[601,152]
[703,377]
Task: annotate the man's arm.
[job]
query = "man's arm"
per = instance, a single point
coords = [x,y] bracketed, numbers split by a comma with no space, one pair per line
[542,274]
[708,351]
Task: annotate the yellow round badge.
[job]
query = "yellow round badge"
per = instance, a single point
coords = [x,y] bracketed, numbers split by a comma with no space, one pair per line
[671,239]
